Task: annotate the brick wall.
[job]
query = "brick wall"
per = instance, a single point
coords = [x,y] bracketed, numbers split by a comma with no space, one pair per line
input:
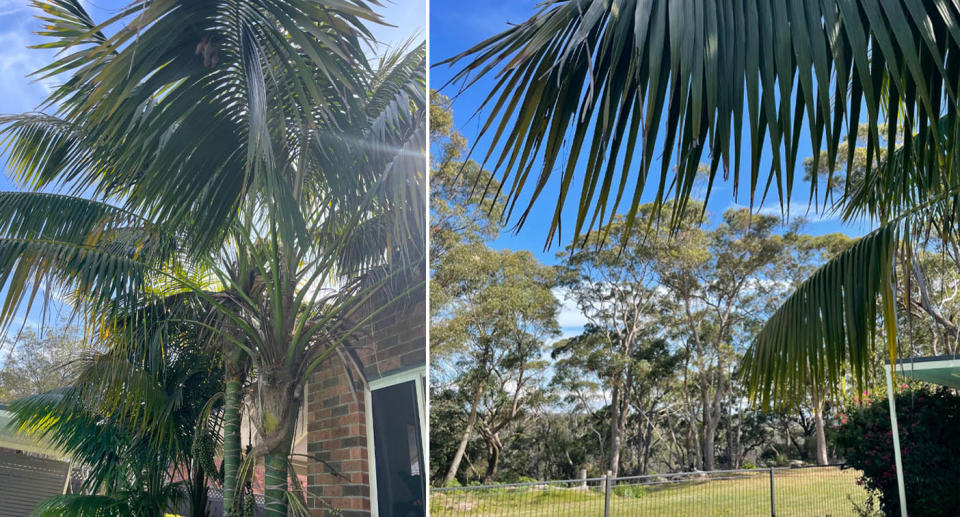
[336,418]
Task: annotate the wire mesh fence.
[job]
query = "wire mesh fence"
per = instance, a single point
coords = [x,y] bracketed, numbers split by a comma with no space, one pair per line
[215,504]
[806,491]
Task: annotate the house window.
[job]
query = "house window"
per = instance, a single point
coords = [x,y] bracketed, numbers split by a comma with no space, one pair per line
[396,418]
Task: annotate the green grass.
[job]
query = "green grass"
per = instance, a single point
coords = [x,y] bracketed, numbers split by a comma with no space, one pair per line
[799,492]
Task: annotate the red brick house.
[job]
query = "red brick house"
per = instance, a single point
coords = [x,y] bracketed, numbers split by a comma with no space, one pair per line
[367,437]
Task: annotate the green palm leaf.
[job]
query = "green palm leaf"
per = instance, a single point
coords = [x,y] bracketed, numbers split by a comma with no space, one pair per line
[57,242]
[182,105]
[588,93]
[827,326]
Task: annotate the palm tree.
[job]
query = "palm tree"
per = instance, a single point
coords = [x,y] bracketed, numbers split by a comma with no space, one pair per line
[618,81]
[135,416]
[256,137]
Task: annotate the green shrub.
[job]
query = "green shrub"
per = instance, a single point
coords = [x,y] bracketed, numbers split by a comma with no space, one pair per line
[631,491]
[748,466]
[929,440]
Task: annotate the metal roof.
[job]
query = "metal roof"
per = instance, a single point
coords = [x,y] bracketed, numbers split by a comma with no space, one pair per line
[942,369]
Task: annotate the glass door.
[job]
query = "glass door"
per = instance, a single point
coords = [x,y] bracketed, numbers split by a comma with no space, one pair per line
[398,450]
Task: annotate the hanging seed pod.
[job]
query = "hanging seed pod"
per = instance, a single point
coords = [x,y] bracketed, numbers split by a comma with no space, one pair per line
[203,450]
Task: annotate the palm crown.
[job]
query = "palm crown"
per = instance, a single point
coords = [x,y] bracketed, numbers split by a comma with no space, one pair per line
[243,154]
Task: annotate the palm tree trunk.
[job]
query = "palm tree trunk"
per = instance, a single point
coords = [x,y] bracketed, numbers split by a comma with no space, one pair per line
[279,407]
[275,491]
[198,496]
[233,395]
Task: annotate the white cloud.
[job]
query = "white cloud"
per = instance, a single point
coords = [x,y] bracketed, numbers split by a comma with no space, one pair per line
[10,7]
[17,92]
[570,318]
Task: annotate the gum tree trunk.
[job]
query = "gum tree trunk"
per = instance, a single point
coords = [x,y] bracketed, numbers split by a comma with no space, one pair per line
[494,448]
[822,458]
[464,440]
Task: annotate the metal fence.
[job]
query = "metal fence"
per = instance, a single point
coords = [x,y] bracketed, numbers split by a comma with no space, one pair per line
[215,504]
[805,491]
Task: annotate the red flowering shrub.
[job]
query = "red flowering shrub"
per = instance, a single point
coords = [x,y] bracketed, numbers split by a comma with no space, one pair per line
[929,444]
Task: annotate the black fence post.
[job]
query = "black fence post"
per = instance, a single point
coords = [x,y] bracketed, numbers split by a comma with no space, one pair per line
[773,504]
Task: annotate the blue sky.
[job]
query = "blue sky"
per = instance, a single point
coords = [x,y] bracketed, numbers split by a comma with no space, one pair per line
[19,94]
[453,30]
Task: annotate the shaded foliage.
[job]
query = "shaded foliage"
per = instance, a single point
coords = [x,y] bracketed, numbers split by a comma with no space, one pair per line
[927,420]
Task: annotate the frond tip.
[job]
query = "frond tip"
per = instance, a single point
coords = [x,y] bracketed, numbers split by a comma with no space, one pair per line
[828,322]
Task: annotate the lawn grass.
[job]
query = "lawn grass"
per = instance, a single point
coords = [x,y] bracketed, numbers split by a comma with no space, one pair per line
[799,492]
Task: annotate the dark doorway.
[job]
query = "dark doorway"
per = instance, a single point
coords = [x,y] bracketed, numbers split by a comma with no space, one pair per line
[398,451]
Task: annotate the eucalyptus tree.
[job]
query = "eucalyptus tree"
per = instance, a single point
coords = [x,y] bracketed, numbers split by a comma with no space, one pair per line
[245,152]
[617,83]
[613,284]
[486,338]
[459,212]
[39,362]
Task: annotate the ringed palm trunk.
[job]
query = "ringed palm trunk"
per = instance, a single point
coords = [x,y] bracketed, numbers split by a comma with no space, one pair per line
[233,396]
[275,492]
[279,406]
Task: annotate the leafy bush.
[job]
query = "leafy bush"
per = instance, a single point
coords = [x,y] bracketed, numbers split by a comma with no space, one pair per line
[929,441]
[631,491]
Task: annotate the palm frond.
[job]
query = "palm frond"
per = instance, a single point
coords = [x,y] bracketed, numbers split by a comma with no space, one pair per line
[56,242]
[183,103]
[59,418]
[82,505]
[587,93]
[827,327]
